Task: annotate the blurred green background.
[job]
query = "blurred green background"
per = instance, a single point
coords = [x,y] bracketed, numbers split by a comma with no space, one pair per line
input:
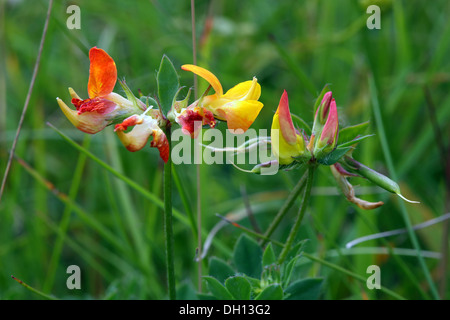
[295,45]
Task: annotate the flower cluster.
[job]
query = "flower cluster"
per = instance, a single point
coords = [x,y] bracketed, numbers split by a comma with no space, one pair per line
[291,147]
[239,107]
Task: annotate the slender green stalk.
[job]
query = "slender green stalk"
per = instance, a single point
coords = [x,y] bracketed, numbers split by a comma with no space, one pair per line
[46,296]
[198,167]
[251,232]
[349,273]
[184,200]
[143,191]
[27,99]
[168,232]
[285,208]
[301,214]
[390,165]
[65,219]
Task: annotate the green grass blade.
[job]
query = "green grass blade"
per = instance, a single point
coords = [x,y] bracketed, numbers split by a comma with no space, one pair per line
[393,174]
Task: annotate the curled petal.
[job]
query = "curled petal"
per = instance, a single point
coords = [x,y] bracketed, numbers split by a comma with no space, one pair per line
[98,105]
[160,141]
[248,90]
[192,119]
[239,114]
[144,127]
[102,73]
[205,74]
[89,122]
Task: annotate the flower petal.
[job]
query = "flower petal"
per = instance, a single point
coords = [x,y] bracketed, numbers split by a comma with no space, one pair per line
[98,105]
[248,90]
[192,119]
[89,122]
[329,134]
[285,119]
[160,141]
[144,127]
[205,74]
[284,151]
[239,114]
[102,73]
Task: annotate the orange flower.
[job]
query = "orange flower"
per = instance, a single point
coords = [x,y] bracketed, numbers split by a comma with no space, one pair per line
[105,107]
[239,106]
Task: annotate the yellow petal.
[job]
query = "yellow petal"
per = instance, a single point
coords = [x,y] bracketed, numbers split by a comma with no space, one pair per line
[205,74]
[248,90]
[284,151]
[73,94]
[239,114]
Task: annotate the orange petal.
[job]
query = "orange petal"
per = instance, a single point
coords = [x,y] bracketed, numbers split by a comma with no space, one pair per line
[285,119]
[239,114]
[160,141]
[205,74]
[102,73]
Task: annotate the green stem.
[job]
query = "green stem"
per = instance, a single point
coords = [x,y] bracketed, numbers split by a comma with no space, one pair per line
[46,296]
[168,219]
[285,208]
[301,214]
[64,223]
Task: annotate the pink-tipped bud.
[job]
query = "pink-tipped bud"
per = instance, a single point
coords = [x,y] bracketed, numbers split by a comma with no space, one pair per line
[326,129]
[324,108]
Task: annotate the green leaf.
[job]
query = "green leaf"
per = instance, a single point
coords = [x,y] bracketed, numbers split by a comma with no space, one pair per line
[239,287]
[219,269]
[350,133]
[286,278]
[352,142]
[272,292]
[149,101]
[334,156]
[268,256]
[297,249]
[305,289]
[247,256]
[168,84]
[255,283]
[217,289]
[186,291]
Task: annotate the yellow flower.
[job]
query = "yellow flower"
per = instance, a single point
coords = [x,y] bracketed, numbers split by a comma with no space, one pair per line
[239,106]
[287,144]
